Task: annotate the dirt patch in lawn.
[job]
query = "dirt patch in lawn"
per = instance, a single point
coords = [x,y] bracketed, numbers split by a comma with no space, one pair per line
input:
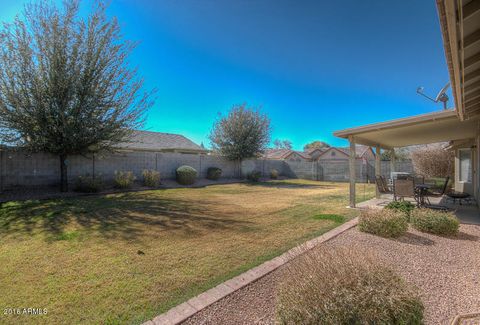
[444,269]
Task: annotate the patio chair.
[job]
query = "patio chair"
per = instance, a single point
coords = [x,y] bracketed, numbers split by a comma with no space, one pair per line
[382,186]
[419,179]
[439,192]
[403,188]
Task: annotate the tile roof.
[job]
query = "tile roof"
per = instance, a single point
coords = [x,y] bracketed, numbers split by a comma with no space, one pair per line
[359,150]
[283,153]
[147,140]
[309,151]
[276,153]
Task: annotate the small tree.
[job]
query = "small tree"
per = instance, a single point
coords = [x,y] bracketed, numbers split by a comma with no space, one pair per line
[433,162]
[401,154]
[282,144]
[243,133]
[65,84]
[316,145]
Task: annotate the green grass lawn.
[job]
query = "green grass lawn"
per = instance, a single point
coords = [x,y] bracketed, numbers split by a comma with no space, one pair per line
[125,258]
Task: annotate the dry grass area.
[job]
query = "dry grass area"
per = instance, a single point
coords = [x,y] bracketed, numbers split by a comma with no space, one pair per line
[124,258]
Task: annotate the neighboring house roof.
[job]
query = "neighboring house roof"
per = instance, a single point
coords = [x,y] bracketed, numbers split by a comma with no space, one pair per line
[359,150]
[312,150]
[302,154]
[276,153]
[158,141]
[283,154]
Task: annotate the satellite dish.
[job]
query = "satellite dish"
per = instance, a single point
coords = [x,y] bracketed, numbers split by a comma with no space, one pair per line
[441,97]
[442,92]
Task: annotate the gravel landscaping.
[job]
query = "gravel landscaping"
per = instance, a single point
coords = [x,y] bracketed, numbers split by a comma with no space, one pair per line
[446,271]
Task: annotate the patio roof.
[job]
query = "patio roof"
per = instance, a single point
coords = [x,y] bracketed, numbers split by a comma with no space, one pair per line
[460,23]
[420,129]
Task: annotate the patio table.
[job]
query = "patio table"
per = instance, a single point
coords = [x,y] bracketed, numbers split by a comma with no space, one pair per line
[422,190]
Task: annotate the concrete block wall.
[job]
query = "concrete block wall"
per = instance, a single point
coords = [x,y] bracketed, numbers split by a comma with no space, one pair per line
[21,169]
[400,166]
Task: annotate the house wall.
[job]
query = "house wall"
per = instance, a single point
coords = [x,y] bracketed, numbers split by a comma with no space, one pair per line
[333,154]
[314,154]
[477,167]
[465,186]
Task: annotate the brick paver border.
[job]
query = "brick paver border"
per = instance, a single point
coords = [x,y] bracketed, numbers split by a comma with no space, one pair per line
[187,309]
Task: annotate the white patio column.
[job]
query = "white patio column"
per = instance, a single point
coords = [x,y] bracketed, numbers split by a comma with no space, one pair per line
[392,160]
[378,168]
[352,170]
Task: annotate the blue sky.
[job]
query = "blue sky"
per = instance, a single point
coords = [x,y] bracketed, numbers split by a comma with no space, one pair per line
[313,66]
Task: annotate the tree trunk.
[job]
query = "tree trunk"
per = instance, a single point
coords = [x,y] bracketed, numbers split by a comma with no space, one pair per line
[63,173]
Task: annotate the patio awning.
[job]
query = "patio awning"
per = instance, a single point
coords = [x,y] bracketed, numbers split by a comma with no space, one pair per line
[460,23]
[421,129]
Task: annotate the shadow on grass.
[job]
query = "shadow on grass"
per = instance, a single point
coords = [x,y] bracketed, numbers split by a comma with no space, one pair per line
[126,216]
[288,184]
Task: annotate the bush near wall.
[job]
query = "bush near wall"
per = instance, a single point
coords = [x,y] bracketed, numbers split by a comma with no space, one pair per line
[186,175]
[124,179]
[88,184]
[214,173]
[435,222]
[344,286]
[274,174]
[254,176]
[384,223]
[151,178]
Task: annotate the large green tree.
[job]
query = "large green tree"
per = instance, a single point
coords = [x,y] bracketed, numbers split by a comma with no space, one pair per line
[66,86]
[243,133]
[282,144]
[316,145]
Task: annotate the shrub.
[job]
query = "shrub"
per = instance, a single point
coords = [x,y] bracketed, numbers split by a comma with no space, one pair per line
[254,176]
[151,178]
[385,223]
[274,174]
[186,175]
[404,207]
[88,184]
[214,173]
[342,286]
[124,179]
[435,221]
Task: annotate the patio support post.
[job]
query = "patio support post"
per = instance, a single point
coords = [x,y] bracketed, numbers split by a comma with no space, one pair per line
[352,170]
[392,161]
[378,167]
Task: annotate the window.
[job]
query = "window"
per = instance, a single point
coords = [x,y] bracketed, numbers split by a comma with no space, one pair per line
[465,165]
[333,154]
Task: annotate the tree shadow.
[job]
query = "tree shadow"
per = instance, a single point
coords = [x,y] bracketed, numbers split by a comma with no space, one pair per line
[287,184]
[464,236]
[414,239]
[127,216]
